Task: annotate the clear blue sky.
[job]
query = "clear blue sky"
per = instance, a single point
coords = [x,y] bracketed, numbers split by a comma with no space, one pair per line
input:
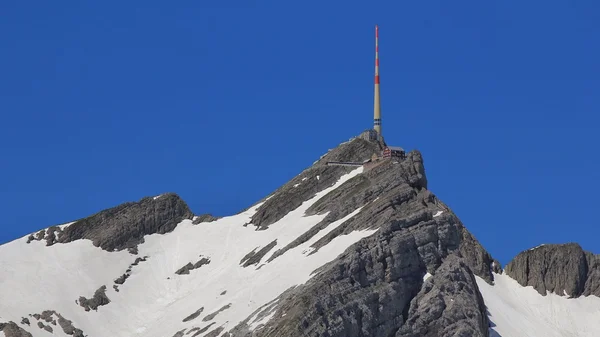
[110,101]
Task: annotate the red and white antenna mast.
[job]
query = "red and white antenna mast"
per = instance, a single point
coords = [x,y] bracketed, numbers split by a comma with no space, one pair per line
[376,105]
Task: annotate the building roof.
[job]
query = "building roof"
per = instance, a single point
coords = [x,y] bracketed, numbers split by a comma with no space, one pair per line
[396,148]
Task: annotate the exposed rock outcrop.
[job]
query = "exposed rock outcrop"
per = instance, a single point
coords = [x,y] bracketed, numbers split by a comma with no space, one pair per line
[313,180]
[564,269]
[449,304]
[191,266]
[194,315]
[121,279]
[11,329]
[93,303]
[254,257]
[204,218]
[126,225]
[214,314]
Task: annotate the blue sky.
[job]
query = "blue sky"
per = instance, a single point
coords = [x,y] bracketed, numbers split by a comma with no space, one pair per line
[222,102]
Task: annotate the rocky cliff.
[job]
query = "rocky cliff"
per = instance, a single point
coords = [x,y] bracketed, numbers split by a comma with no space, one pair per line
[564,269]
[377,287]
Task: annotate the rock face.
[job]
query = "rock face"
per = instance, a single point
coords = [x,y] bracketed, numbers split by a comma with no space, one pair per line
[560,269]
[124,226]
[449,304]
[376,287]
[313,180]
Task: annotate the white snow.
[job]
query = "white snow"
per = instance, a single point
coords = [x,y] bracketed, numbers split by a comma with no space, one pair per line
[426,276]
[536,247]
[65,225]
[296,185]
[304,179]
[518,311]
[154,300]
[156,197]
[438,213]
[264,320]
[318,177]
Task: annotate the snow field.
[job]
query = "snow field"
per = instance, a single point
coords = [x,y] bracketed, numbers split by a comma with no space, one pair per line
[518,311]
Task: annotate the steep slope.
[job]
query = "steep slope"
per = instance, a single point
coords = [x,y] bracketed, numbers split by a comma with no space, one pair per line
[516,311]
[334,252]
[546,291]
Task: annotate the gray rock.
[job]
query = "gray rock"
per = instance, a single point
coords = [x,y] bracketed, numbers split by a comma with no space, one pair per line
[449,304]
[11,329]
[93,303]
[179,333]
[126,225]
[40,235]
[191,266]
[194,315]
[121,279]
[215,332]
[214,314]
[205,218]
[255,257]
[560,269]
[288,197]
[51,235]
[592,284]
[201,331]
[68,327]
[47,315]
[25,320]
[48,328]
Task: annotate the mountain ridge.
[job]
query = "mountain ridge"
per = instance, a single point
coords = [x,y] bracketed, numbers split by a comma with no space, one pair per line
[335,251]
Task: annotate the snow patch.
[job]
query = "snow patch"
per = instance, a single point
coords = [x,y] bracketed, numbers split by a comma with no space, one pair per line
[426,276]
[296,185]
[537,247]
[438,214]
[262,321]
[304,179]
[318,177]
[517,311]
[156,197]
[63,226]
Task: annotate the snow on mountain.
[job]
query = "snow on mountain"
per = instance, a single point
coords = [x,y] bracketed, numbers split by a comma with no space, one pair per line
[517,311]
[155,299]
[335,252]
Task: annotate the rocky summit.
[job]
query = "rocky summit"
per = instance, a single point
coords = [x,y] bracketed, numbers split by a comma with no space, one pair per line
[338,251]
